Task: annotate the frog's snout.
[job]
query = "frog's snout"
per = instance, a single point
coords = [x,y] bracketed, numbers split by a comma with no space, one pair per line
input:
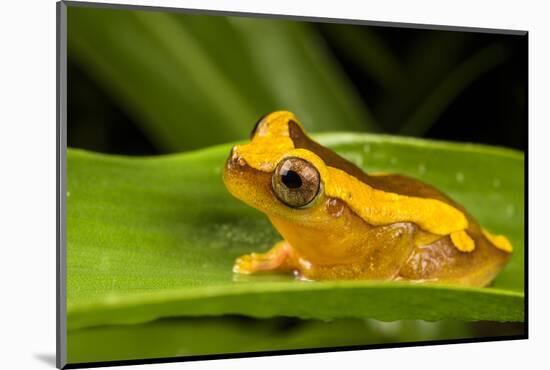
[242,181]
[235,161]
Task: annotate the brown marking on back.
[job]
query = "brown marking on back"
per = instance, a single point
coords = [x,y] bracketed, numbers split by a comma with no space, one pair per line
[398,184]
[301,140]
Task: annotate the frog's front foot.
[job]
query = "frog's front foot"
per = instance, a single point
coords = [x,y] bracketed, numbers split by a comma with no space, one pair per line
[279,259]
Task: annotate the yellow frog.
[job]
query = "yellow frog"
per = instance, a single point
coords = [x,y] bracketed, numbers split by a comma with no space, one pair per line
[339,222]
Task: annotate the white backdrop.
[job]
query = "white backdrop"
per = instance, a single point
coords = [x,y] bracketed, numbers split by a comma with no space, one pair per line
[27,181]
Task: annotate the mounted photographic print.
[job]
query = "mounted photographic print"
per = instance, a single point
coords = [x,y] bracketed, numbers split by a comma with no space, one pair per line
[237,184]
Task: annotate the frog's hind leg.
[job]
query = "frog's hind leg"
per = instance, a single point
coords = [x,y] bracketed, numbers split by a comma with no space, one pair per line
[441,261]
[280,258]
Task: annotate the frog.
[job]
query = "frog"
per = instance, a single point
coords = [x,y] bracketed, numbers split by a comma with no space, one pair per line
[339,222]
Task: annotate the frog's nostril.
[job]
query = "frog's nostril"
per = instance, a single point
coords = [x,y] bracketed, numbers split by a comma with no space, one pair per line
[235,159]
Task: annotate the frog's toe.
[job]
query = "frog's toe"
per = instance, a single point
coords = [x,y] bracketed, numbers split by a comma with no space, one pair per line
[250,263]
[254,262]
[244,264]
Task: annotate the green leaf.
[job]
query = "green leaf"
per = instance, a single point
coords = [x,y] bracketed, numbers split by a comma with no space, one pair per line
[182,77]
[156,237]
[172,337]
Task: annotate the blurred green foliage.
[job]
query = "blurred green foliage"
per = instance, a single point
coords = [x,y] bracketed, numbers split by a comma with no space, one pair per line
[188,88]
[234,334]
[191,80]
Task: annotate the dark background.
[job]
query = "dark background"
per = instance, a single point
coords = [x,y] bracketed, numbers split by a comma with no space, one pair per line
[490,109]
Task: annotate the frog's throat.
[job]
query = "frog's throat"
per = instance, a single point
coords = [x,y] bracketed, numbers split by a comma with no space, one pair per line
[274,140]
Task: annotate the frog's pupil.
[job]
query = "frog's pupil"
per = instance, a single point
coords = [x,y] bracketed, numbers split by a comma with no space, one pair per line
[291,179]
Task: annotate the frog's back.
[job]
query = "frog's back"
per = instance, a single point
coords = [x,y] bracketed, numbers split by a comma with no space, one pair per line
[390,183]
[439,259]
[404,185]
[435,257]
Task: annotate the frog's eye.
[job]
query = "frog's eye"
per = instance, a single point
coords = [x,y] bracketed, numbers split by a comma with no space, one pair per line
[296,182]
